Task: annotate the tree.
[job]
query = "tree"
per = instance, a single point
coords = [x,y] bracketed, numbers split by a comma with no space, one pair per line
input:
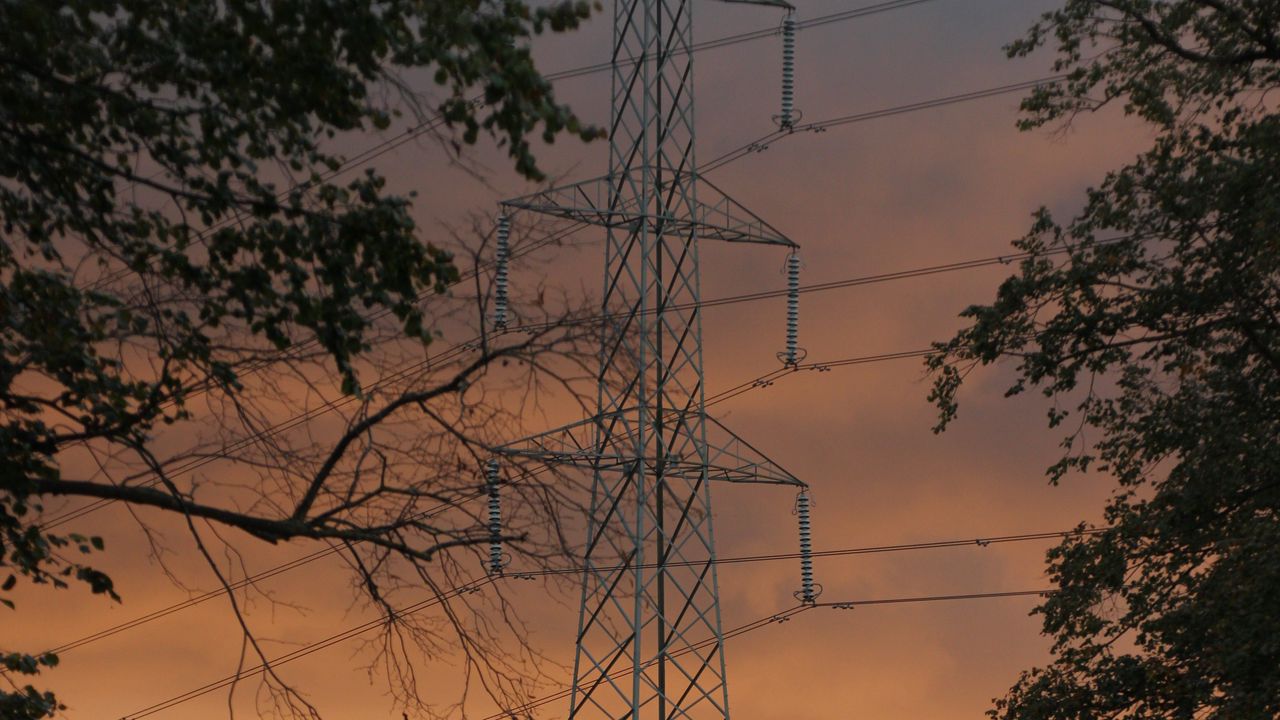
[1153,320]
[181,257]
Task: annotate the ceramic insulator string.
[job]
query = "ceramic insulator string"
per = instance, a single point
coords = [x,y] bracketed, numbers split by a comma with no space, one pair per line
[787,119]
[495,517]
[500,275]
[790,356]
[807,594]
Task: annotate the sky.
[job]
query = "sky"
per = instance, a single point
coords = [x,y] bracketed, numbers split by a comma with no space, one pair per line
[908,191]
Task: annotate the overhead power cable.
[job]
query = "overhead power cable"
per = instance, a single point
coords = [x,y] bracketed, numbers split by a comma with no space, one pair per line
[415,131]
[750,35]
[851,604]
[778,618]
[716,163]
[391,144]
[253,579]
[765,379]
[325,407]
[307,649]
[724,159]
[477,585]
[765,621]
[454,351]
[763,142]
[820,287]
[331,405]
[328,551]
[412,133]
[409,134]
[769,378]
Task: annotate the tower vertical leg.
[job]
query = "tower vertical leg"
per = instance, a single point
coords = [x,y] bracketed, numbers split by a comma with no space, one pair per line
[649,588]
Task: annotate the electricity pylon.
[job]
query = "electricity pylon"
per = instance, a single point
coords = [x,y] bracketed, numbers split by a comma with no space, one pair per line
[649,641]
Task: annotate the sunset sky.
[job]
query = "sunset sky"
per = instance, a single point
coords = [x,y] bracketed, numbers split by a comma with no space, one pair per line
[908,191]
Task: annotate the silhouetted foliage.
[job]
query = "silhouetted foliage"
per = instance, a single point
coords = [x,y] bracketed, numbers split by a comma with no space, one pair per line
[172,221]
[1162,351]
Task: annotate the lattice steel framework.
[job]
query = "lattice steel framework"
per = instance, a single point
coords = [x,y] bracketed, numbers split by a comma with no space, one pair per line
[649,641]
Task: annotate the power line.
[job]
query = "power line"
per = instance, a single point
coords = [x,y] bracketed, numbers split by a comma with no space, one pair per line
[331,405]
[762,143]
[759,34]
[325,552]
[844,283]
[814,366]
[271,572]
[715,302]
[409,134]
[328,405]
[905,274]
[743,629]
[250,580]
[761,381]
[715,164]
[851,604]
[755,146]
[413,132]
[781,617]
[771,377]
[334,639]
[477,585]
[456,350]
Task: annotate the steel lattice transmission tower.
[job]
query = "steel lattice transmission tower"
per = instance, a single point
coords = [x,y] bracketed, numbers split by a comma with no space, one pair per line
[649,640]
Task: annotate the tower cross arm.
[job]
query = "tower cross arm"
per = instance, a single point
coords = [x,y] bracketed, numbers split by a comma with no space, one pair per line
[603,443]
[714,216]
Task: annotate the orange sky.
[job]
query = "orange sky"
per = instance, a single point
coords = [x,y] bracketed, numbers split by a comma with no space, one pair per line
[918,189]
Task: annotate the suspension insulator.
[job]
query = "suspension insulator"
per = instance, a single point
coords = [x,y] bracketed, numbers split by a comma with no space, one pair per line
[500,275]
[807,589]
[492,481]
[791,355]
[787,118]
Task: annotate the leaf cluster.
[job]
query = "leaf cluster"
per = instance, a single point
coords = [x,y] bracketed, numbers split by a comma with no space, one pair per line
[1158,338]
[171,214]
